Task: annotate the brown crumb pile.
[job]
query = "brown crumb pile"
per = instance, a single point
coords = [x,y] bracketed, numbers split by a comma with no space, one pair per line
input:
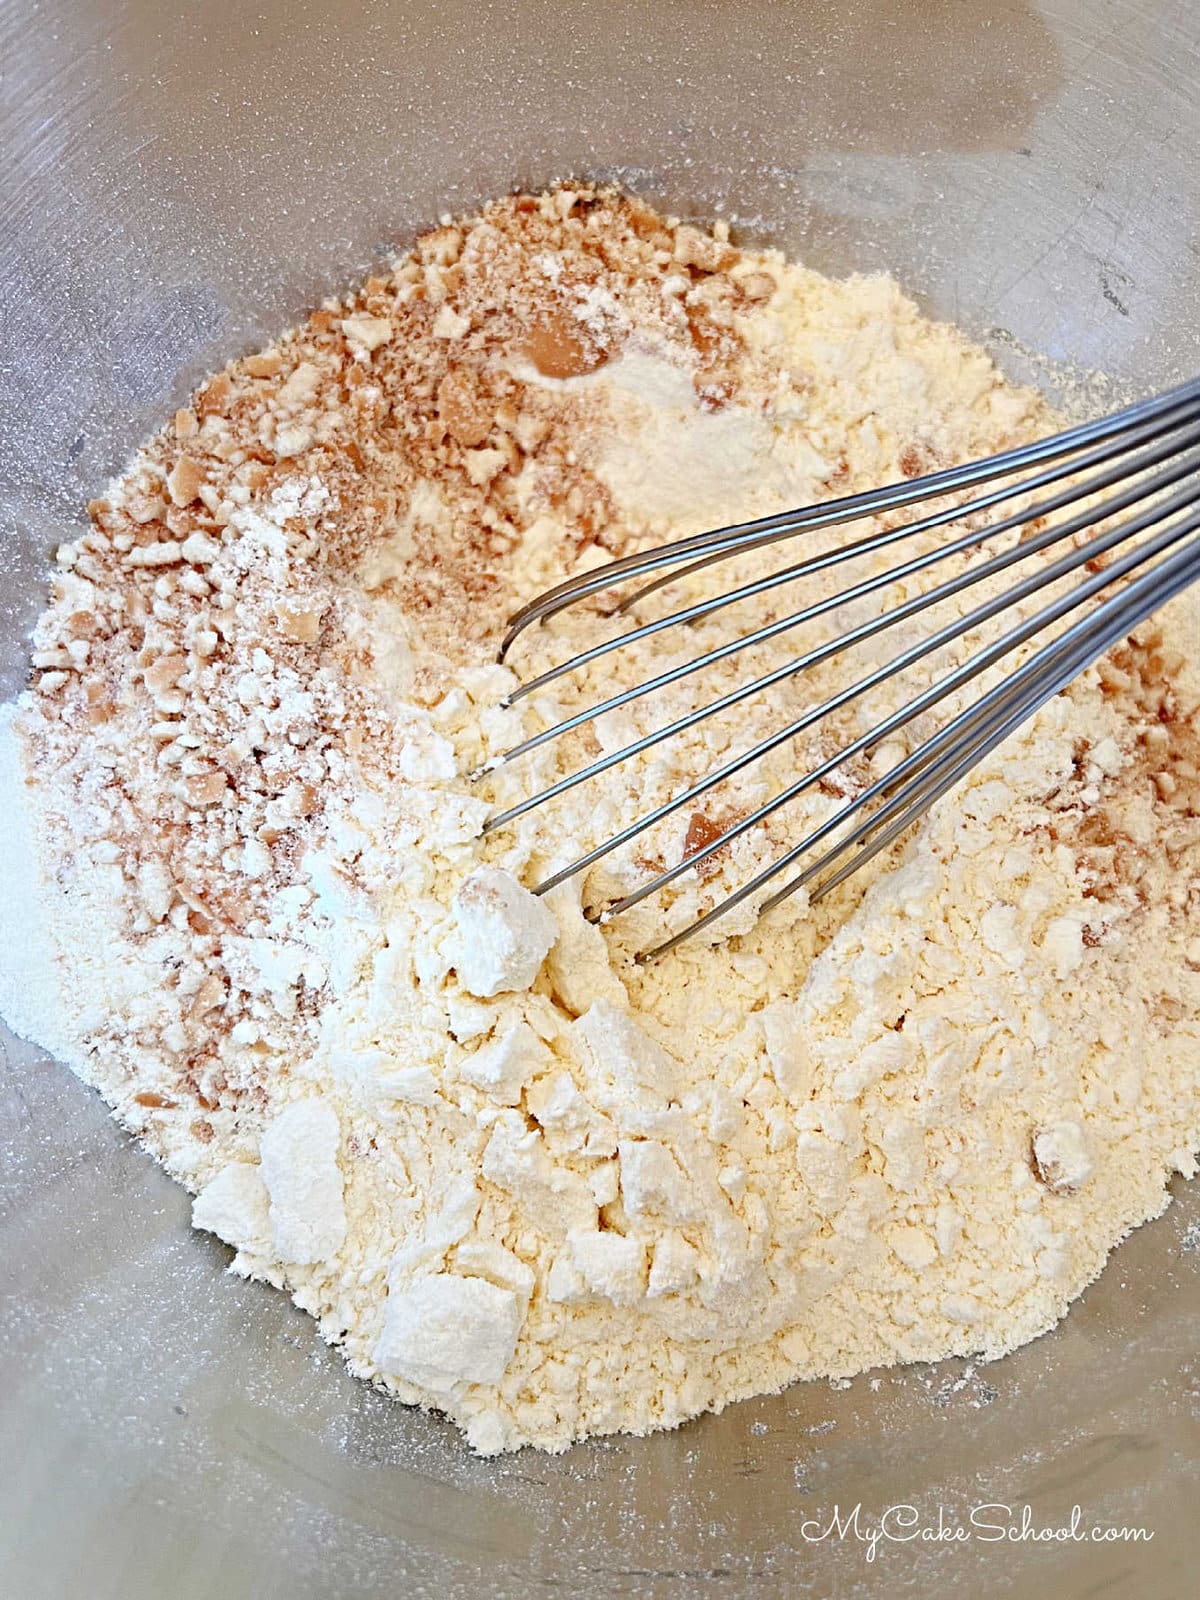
[901,1122]
[201,699]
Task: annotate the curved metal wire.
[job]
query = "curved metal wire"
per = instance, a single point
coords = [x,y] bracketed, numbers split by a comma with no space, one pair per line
[1163,411]
[1170,442]
[946,758]
[1124,450]
[1181,467]
[922,702]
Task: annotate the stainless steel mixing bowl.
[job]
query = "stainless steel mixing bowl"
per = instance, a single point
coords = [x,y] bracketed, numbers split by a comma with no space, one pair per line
[179,181]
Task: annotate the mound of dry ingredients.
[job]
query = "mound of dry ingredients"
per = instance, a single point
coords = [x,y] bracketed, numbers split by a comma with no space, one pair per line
[516,1177]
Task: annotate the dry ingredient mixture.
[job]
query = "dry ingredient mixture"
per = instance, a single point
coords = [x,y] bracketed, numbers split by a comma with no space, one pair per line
[516,1177]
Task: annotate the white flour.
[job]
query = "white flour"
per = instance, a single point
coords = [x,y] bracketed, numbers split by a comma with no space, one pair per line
[514,1175]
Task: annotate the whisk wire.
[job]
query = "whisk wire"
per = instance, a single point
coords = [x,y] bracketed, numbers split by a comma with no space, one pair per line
[932,748]
[898,719]
[1052,673]
[956,749]
[1158,414]
[1123,468]
[1063,467]
[1181,468]
[1154,445]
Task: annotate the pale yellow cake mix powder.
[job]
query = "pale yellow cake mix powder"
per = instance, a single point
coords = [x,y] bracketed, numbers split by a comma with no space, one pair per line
[516,1176]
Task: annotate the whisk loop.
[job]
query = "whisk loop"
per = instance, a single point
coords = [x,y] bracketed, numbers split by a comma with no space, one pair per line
[1147,455]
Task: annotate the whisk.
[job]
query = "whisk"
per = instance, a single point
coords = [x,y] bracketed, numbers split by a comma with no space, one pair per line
[1147,455]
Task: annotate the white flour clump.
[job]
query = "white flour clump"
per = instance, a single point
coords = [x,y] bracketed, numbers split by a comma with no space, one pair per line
[504,933]
[516,1176]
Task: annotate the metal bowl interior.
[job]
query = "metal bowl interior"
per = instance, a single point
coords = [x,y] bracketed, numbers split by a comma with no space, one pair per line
[180,182]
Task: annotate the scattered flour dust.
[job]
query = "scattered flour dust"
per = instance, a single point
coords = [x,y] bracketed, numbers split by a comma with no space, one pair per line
[517,1177]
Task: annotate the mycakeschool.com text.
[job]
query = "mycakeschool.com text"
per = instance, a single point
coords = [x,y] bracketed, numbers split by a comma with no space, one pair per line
[992,1523]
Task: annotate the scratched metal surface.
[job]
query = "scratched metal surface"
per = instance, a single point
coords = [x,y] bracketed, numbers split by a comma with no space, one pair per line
[180,181]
